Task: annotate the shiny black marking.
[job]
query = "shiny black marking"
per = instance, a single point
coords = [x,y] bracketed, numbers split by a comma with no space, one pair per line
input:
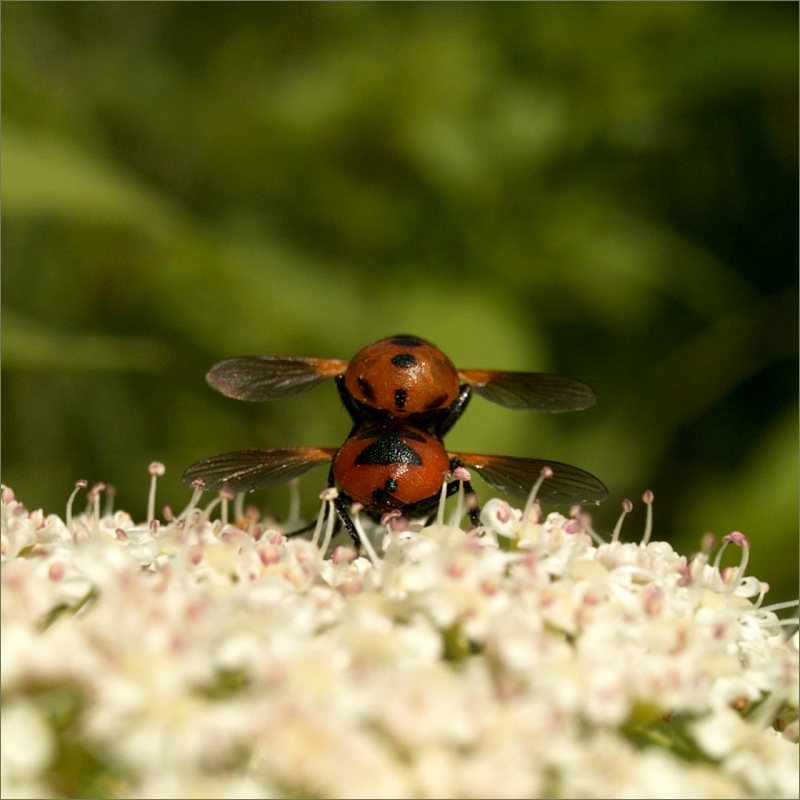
[437,402]
[390,485]
[400,397]
[380,498]
[366,388]
[407,433]
[404,360]
[407,341]
[388,449]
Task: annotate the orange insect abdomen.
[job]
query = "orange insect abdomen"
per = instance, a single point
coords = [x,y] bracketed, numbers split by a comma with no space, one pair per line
[387,467]
[402,375]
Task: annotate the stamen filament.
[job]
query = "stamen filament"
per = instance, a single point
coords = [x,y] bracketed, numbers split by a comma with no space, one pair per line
[627,507]
[81,484]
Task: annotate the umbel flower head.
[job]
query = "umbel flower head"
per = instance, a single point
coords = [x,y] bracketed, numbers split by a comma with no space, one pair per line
[196,657]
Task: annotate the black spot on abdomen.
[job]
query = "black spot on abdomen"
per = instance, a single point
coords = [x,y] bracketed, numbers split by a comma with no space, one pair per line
[404,360]
[366,388]
[404,340]
[388,449]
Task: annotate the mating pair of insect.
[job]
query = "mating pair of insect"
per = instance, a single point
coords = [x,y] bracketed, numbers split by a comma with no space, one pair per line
[403,395]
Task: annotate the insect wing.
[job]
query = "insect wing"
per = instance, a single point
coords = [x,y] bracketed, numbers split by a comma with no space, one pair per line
[248,470]
[515,477]
[535,391]
[259,378]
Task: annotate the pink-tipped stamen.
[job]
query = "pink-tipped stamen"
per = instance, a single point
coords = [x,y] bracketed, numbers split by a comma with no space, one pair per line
[327,495]
[442,499]
[198,485]
[545,473]
[326,542]
[648,497]
[156,469]
[108,510]
[585,520]
[93,501]
[531,504]
[81,484]
[388,516]
[320,520]
[627,507]
[739,540]
[461,474]
[699,560]
[226,495]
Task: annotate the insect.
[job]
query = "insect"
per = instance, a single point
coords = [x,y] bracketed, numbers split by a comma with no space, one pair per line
[402,378]
[392,466]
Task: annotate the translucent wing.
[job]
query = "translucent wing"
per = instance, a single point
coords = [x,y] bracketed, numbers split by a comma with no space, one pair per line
[536,391]
[515,477]
[259,378]
[248,470]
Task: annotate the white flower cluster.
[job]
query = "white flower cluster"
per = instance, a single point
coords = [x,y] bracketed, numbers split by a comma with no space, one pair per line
[192,658]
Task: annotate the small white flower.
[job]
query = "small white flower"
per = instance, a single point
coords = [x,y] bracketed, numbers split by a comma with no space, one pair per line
[524,658]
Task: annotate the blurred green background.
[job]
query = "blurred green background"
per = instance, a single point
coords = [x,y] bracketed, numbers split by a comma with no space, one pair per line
[604,190]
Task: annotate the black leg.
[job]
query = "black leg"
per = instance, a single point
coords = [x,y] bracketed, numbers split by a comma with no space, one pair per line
[342,503]
[473,507]
[472,504]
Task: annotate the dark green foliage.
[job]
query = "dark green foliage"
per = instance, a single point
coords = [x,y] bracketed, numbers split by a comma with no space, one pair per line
[603,190]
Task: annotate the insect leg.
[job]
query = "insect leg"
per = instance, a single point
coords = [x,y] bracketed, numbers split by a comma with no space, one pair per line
[342,503]
[470,495]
